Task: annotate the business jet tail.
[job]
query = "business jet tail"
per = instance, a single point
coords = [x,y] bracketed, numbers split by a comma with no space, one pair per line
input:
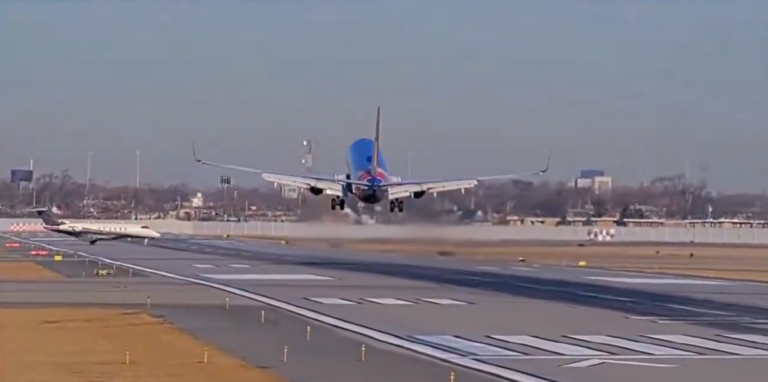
[47,217]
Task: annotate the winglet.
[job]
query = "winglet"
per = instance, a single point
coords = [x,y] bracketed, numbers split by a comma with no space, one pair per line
[549,158]
[194,154]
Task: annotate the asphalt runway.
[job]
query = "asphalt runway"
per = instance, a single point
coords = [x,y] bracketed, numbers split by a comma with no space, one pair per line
[541,323]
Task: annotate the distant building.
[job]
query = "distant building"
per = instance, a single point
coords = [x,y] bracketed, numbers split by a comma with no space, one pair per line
[198,200]
[591,173]
[601,184]
[594,179]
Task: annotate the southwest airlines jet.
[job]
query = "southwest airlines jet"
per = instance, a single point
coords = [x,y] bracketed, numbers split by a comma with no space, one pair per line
[368,178]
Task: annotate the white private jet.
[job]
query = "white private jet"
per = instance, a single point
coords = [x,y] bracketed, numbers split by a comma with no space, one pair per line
[95,232]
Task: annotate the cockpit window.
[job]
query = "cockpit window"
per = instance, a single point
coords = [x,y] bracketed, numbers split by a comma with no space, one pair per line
[145,227]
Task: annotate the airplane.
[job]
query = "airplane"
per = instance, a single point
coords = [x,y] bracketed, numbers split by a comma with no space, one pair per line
[95,232]
[367,178]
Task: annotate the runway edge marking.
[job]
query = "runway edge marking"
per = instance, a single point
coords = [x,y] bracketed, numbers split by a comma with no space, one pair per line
[508,374]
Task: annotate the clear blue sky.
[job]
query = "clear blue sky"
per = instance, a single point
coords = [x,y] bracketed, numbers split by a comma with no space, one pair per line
[473,87]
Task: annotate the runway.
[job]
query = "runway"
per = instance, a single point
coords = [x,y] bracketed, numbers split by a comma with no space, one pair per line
[540,323]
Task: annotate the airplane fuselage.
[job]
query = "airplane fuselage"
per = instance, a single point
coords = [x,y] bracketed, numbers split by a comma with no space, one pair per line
[359,167]
[98,232]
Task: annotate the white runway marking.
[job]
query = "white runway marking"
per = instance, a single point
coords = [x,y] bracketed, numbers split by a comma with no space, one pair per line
[203,266]
[388,301]
[605,296]
[550,346]
[692,309]
[331,301]
[755,338]
[239,265]
[632,345]
[443,301]
[645,280]
[266,277]
[708,344]
[467,347]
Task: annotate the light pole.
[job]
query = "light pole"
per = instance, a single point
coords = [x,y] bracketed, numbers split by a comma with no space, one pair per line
[307,162]
[88,175]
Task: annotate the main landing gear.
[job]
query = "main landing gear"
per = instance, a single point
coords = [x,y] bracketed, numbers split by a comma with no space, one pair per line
[338,202]
[396,204]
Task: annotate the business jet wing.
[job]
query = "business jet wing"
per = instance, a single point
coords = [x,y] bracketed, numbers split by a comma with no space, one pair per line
[330,185]
[404,189]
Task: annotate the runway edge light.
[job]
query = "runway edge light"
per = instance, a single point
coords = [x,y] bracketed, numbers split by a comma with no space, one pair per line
[582,263]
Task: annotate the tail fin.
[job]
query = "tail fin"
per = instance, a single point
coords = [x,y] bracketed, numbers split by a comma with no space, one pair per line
[47,217]
[375,161]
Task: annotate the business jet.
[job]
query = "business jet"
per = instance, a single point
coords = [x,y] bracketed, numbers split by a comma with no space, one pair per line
[95,232]
[367,178]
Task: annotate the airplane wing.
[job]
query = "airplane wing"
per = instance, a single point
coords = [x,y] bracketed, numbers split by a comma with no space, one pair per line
[404,189]
[330,185]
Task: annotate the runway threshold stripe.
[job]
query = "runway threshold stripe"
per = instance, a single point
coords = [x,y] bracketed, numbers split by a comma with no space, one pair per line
[550,346]
[756,338]
[498,371]
[708,344]
[443,301]
[331,301]
[388,301]
[467,347]
[639,347]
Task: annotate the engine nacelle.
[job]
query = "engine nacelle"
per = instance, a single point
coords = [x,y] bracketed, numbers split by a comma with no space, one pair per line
[418,194]
[316,191]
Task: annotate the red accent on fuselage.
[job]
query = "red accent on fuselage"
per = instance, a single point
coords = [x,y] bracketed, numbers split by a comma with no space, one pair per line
[366,175]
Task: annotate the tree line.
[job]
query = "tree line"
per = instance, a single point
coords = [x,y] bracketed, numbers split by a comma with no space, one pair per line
[670,197]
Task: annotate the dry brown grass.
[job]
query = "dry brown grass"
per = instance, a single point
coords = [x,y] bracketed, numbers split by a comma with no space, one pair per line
[26,270]
[85,345]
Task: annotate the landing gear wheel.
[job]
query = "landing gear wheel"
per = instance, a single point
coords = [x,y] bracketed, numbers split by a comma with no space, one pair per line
[392,206]
[400,206]
[92,242]
[342,203]
[333,204]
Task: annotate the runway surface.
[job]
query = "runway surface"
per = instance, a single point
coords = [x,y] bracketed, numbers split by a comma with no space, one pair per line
[539,323]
